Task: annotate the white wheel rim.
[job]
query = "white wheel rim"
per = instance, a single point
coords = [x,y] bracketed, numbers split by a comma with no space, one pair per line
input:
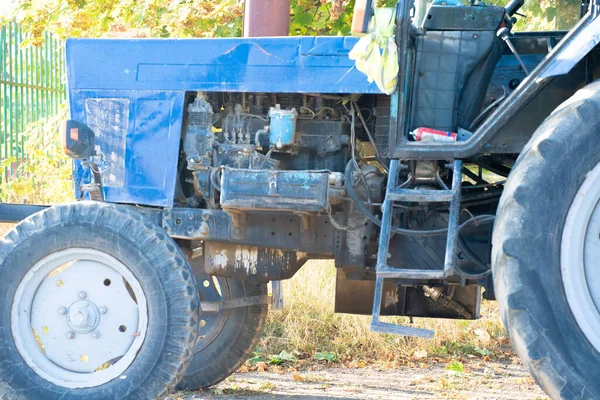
[580,257]
[79,304]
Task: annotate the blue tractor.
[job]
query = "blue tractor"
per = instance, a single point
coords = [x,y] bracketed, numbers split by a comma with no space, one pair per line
[206,168]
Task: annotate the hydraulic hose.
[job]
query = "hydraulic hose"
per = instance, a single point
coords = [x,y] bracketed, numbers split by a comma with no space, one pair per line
[407,232]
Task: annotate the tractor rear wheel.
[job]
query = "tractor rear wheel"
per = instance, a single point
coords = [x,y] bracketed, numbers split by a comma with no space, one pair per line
[226,338]
[546,250]
[97,303]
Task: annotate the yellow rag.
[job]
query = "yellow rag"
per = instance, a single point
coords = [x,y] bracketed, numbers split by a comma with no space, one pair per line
[376,54]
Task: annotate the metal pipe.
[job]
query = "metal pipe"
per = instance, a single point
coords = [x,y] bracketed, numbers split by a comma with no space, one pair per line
[266,18]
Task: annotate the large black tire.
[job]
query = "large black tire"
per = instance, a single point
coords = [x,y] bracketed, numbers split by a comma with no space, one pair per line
[527,241]
[228,341]
[156,263]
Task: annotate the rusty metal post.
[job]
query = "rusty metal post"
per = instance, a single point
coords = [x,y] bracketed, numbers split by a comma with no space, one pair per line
[266,18]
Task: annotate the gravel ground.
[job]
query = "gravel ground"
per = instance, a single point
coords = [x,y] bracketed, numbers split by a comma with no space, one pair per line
[480,380]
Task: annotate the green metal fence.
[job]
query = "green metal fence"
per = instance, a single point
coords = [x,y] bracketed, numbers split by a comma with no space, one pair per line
[32,86]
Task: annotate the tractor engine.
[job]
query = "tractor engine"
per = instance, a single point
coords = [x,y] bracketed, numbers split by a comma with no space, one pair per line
[256,150]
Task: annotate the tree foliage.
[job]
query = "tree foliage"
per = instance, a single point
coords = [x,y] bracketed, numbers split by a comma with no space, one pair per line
[44,175]
[545,15]
[172,18]
[223,18]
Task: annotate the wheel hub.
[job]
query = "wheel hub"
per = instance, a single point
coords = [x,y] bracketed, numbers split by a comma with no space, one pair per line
[80,316]
[83,316]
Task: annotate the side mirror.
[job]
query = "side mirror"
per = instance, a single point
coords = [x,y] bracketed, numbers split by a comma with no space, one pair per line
[363,11]
[77,139]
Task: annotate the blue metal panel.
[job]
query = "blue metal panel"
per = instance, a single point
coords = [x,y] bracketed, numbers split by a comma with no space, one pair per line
[148,78]
[281,65]
[152,136]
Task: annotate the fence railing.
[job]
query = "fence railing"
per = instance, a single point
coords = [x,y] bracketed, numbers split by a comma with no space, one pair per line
[32,86]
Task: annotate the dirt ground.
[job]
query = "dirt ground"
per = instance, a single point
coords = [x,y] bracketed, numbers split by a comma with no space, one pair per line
[480,380]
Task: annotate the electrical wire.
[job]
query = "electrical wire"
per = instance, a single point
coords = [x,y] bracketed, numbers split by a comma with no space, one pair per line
[370,113]
[326,108]
[479,220]
[402,231]
[377,221]
[356,109]
[247,115]
[309,110]
[267,156]
[355,163]
[350,183]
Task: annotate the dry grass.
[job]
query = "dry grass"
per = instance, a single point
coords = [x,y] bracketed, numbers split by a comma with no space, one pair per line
[308,325]
[5,227]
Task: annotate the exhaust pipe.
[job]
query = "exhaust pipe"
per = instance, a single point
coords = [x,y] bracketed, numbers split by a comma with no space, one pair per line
[266,18]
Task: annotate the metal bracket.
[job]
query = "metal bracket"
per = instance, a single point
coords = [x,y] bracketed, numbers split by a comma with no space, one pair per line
[277,298]
[307,226]
[216,306]
[238,227]
[95,188]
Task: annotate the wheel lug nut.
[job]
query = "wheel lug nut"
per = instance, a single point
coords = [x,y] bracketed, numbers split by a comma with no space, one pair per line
[103,310]
[82,295]
[62,310]
[70,335]
[95,334]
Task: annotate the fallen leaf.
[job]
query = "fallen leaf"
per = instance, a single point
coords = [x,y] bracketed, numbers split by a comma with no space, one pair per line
[261,367]
[482,335]
[455,366]
[298,378]
[422,379]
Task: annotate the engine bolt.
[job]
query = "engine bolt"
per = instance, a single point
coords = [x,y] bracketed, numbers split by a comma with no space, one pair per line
[82,295]
[95,334]
[204,229]
[62,310]
[70,335]
[103,310]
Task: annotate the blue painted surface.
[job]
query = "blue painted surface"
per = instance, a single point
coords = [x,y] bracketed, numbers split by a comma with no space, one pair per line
[282,127]
[286,64]
[151,145]
[152,75]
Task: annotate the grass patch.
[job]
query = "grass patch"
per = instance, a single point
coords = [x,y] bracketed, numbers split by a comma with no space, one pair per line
[309,328]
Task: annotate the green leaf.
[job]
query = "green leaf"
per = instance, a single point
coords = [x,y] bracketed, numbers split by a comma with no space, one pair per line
[483,352]
[256,359]
[326,356]
[281,358]
[455,366]
[551,13]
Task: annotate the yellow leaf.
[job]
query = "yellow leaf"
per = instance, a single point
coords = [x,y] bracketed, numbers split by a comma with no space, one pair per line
[298,378]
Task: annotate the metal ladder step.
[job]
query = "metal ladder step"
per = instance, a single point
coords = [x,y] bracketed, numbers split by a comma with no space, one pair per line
[420,195]
[398,273]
